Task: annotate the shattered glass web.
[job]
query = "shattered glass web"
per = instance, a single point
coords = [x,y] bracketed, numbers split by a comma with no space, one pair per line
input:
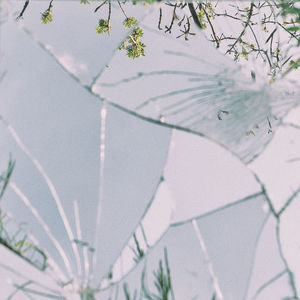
[227,243]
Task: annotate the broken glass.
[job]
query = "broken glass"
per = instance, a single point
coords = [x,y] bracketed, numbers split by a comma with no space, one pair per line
[130,171]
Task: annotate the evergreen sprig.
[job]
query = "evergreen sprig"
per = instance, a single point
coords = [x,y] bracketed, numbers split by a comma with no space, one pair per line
[162,281]
[137,250]
[13,237]
[127,293]
[5,177]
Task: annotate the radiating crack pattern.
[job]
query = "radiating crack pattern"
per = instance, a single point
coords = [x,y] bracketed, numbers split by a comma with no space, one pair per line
[187,112]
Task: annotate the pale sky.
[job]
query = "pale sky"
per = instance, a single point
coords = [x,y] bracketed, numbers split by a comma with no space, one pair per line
[206,188]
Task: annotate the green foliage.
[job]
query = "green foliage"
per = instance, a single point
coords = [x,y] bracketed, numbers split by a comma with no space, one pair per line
[288,8]
[256,17]
[127,293]
[291,15]
[137,250]
[103,26]
[130,22]
[144,2]
[201,17]
[244,53]
[136,49]
[16,240]
[205,13]
[84,2]
[47,16]
[5,177]
[137,33]
[209,9]
[133,45]
[248,133]
[162,281]
[12,236]
[293,65]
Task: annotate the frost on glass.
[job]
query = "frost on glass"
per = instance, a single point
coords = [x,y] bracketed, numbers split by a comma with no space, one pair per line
[152,178]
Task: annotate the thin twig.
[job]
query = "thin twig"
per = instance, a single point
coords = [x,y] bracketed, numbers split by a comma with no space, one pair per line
[98,7]
[22,11]
[168,29]
[211,27]
[122,10]
[160,17]
[245,27]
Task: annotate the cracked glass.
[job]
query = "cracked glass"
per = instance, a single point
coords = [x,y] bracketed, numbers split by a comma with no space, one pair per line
[169,176]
